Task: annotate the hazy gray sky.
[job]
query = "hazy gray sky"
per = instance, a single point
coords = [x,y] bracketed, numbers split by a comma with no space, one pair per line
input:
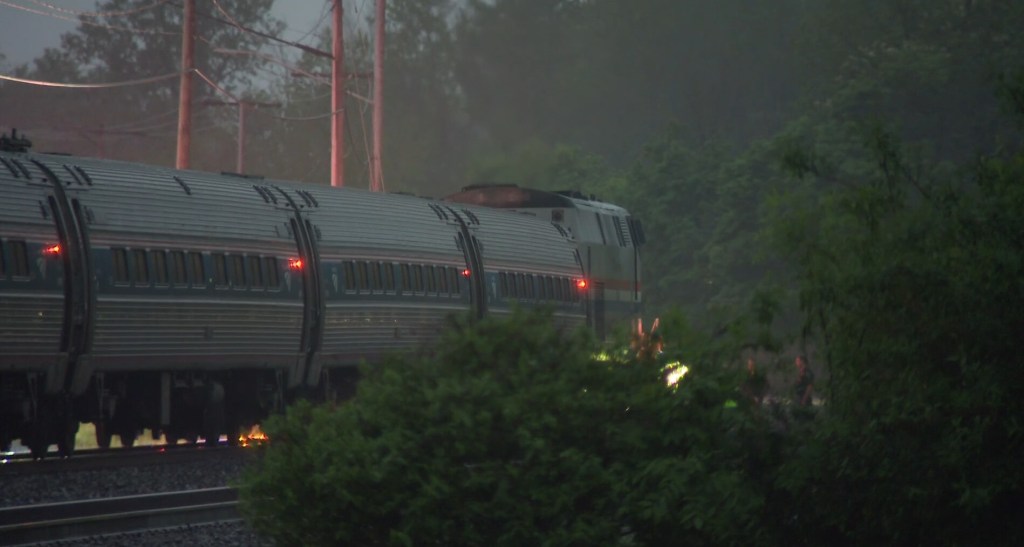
[27,27]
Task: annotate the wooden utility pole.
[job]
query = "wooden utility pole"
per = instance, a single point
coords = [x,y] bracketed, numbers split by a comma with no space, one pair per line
[243,108]
[185,92]
[240,155]
[376,173]
[338,101]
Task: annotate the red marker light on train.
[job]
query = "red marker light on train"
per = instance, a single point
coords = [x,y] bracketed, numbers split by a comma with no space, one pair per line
[581,284]
[295,263]
[51,250]
[466,272]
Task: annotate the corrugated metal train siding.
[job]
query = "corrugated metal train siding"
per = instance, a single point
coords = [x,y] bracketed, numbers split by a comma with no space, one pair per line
[380,328]
[368,221]
[177,327]
[503,233]
[30,323]
[139,200]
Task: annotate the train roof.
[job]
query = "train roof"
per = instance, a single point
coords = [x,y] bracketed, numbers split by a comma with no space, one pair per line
[512,196]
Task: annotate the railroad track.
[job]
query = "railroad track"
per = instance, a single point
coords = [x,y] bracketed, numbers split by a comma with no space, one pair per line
[68,520]
[113,458]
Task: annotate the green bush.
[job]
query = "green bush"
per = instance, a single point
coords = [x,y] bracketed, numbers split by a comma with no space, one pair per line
[513,433]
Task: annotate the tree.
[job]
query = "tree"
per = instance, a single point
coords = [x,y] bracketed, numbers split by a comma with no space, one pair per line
[907,277]
[606,75]
[925,68]
[134,40]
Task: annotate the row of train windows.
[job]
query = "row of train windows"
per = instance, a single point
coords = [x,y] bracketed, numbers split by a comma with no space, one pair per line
[380,276]
[540,287]
[158,267]
[13,259]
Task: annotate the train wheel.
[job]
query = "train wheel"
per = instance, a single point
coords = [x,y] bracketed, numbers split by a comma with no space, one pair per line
[66,439]
[65,428]
[37,446]
[127,439]
[213,413]
[103,434]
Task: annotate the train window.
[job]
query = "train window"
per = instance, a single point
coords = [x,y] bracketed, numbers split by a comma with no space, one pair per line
[238,271]
[406,278]
[3,263]
[442,280]
[350,276]
[417,277]
[503,284]
[141,267]
[600,228]
[363,276]
[431,283]
[566,289]
[180,274]
[255,272]
[120,258]
[530,286]
[159,267]
[220,270]
[270,265]
[389,276]
[198,272]
[19,258]
[453,280]
[375,270]
[549,283]
[542,293]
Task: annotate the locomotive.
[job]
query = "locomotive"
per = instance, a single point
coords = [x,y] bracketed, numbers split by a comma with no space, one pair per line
[193,304]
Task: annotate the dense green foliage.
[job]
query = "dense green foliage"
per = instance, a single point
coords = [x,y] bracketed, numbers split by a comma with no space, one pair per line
[512,433]
[912,278]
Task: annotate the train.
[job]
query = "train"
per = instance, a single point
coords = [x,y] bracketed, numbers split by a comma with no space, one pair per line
[193,304]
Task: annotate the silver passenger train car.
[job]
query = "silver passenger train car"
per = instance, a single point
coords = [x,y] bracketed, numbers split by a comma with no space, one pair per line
[192,304]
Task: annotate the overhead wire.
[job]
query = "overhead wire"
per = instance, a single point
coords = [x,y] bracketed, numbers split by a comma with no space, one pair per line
[320,21]
[231,21]
[260,33]
[114,13]
[105,85]
[86,22]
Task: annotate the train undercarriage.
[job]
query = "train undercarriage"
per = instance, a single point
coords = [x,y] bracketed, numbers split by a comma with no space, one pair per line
[174,406]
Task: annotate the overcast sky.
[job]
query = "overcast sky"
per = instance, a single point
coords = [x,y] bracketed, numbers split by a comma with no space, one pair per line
[27,27]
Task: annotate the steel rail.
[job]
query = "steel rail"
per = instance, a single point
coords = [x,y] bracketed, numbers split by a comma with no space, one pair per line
[32,524]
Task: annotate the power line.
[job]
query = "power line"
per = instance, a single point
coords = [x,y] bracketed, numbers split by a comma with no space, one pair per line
[272,59]
[99,13]
[262,34]
[106,85]
[323,16]
[85,22]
